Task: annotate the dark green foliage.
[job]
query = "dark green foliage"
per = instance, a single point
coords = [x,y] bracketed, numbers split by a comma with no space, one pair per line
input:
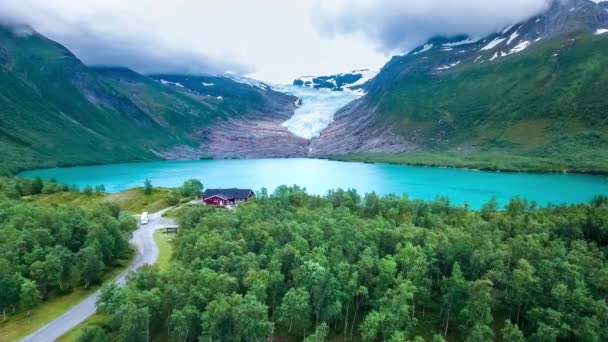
[15,188]
[147,187]
[55,111]
[94,334]
[45,251]
[191,188]
[296,266]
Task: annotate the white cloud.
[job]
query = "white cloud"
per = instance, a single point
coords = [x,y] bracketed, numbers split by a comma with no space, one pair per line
[276,40]
[400,25]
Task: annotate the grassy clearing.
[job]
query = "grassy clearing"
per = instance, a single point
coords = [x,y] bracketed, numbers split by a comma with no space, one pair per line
[133,200]
[19,325]
[175,212]
[164,242]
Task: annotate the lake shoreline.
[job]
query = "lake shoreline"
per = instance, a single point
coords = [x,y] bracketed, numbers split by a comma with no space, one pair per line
[319,176]
[347,158]
[530,169]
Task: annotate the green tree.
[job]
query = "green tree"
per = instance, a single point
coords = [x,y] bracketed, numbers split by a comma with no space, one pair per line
[372,325]
[476,315]
[94,334]
[511,333]
[88,190]
[9,292]
[134,325]
[147,187]
[91,266]
[29,297]
[184,324]
[489,209]
[525,287]
[454,294]
[36,187]
[319,335]
[192,188]
[295,308]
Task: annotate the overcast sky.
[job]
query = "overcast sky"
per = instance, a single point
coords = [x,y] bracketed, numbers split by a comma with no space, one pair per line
[273,40]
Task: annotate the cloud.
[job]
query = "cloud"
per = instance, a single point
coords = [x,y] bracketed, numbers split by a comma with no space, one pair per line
[400,25]
[112,38]
[273,40]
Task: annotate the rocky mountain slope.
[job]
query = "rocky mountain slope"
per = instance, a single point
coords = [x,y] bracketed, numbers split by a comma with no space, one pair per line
[534,89]
[54,110]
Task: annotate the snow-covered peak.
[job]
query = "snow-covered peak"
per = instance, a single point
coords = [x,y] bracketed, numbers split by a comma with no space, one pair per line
[249,81]
[346,81]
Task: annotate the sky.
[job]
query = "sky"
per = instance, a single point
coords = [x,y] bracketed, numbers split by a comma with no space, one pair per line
[271,40]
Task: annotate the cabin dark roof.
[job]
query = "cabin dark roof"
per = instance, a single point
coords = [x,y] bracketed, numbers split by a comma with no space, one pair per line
[228,194]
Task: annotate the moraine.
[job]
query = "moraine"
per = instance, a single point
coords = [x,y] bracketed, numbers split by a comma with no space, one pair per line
[319,176]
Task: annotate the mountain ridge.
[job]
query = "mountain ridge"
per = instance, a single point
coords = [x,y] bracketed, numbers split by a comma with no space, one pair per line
[56,111]
[482,98]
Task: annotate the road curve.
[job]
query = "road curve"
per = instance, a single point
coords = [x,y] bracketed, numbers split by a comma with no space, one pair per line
[147,253]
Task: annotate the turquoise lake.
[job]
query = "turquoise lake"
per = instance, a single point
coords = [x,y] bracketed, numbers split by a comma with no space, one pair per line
[319,176]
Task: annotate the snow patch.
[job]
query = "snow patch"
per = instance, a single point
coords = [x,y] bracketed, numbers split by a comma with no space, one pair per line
[507,29]
[514,35]
[207,84]
[520,47]
[425,48]
[366,75]
[495,56]
[449,66]
[462,42]
[172,83]
[493,44]
[601,31]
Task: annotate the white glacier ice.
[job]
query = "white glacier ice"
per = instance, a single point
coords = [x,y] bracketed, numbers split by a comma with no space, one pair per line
[317,108]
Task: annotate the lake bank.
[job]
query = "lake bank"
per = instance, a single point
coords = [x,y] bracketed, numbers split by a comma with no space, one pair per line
[489,162]
[319,176]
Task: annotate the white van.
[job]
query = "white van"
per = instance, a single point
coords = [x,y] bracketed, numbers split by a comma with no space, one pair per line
[144,218]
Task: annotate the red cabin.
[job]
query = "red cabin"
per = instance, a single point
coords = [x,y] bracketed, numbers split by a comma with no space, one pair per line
[227,197]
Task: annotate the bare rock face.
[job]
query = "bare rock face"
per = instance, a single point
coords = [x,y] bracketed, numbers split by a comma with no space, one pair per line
[353,131]
[251,138]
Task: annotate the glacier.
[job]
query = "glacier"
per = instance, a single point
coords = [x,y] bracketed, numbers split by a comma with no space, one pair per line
[317,108]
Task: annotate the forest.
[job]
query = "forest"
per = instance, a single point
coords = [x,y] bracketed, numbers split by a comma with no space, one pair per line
[294,267]
[47,251]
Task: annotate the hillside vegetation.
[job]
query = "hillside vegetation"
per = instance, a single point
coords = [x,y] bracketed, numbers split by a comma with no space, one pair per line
[529,97]
[56,111]
[533,105]
[296,267]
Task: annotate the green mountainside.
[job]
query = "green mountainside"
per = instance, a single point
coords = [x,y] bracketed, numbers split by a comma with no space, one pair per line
[56,111]
[532,93]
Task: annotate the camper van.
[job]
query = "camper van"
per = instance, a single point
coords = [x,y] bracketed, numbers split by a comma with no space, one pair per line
[144,218]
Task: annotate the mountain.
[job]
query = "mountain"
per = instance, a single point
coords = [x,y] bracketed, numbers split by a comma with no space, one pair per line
[353,81]
[532,93]
[54,110]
